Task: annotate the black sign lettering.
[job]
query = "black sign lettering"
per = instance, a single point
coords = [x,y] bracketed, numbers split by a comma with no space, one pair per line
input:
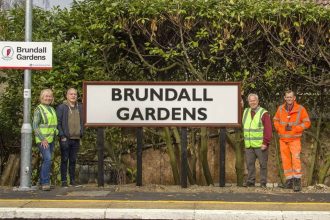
[123,114]
[192,114]
[163,113]
[202,114]
[150,114]
[116,94]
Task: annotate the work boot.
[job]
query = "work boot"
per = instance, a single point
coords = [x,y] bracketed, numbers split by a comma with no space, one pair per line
[288,184]
[296,184]
[74,184]
[248,184]
[263,185]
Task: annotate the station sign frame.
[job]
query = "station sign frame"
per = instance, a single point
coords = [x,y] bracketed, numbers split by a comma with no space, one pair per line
[161,104]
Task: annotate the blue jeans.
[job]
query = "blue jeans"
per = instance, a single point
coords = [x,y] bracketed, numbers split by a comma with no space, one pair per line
[69,151]
[46,163]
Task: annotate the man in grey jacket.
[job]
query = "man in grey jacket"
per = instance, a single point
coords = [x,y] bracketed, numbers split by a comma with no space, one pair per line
[70,126]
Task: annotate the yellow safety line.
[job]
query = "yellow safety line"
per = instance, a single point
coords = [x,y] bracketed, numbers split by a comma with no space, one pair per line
[161,201]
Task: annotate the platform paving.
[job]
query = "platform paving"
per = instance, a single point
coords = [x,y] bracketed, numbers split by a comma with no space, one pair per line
[91,202]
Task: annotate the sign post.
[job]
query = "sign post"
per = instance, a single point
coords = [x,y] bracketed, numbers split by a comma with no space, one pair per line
[139,143]
[184,159]
[26,131]
[222,157]
[100,156]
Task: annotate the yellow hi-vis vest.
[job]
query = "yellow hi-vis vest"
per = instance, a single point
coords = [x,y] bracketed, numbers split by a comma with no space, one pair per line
[253,128]
[48,128]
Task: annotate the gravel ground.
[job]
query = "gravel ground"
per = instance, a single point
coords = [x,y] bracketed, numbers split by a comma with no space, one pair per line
[271,188]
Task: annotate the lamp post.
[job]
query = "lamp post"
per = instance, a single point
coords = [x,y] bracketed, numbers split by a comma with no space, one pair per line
[26,130]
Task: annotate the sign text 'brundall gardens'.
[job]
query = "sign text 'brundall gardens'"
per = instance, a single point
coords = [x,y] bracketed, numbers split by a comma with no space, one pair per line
[25,55]
[162,104]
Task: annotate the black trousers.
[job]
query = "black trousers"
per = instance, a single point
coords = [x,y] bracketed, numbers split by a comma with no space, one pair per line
[69,151]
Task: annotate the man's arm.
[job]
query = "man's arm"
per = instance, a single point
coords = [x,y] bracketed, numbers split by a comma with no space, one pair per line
[59,113]
[276,120]
[267,123]
[81,119]
[305,121]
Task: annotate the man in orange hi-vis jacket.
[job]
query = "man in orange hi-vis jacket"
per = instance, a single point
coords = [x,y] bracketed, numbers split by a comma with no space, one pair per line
[290,120]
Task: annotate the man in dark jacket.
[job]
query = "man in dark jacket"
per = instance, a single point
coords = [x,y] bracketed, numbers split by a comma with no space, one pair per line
[70,126]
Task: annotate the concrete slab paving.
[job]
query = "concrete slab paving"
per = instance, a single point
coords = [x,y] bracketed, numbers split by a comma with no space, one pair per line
[189,214]
[101,203]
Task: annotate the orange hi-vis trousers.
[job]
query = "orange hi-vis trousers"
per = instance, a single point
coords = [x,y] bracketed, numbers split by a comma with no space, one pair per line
[290,154]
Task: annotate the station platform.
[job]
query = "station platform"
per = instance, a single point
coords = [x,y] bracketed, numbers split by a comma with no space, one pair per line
[161,202]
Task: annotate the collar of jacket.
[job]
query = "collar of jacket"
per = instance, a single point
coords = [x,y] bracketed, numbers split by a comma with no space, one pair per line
[294,109]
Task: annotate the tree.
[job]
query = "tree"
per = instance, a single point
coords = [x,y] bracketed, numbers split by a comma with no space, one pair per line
[267,45]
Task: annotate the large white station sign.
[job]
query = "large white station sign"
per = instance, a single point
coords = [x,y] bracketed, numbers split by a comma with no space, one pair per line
[25,55]
[161,104]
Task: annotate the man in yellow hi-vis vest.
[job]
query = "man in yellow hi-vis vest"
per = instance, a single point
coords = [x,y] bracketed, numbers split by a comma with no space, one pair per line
[257,130]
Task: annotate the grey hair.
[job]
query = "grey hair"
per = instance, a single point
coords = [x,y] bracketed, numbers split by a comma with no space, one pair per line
[70,89]
[252,94]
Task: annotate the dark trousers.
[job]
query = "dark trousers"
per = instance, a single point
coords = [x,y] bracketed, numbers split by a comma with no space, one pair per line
[251,155]
[69,151]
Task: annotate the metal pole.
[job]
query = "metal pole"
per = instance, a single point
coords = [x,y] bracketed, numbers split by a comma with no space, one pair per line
[222,174]
[26,130]
[139,143]
[100,156]
[184,160]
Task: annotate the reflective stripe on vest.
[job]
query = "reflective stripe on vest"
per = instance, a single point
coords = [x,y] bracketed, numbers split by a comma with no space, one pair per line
[48,127]
[253,128]
[290,136]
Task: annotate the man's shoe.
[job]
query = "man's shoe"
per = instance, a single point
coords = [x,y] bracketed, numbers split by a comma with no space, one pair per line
[248,184]
[45,187]
[296,184]
[263,185]
[74,184]
[288,184]
[65,184]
